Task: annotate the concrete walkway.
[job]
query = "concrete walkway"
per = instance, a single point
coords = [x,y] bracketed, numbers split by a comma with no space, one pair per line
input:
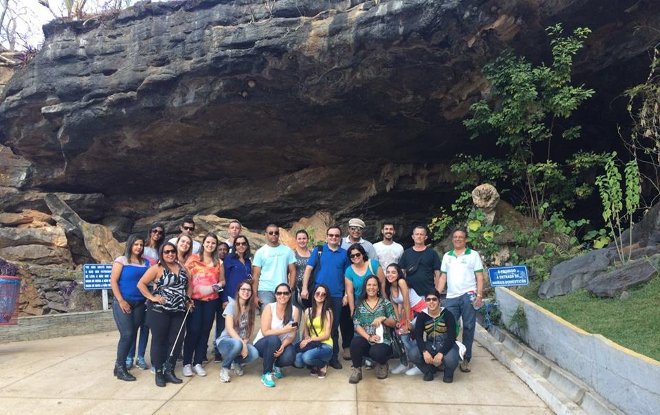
[73,375]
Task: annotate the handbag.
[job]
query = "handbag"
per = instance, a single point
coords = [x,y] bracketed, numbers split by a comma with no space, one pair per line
[310,346]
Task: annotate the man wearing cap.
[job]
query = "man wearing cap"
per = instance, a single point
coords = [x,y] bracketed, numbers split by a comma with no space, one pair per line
[355,228]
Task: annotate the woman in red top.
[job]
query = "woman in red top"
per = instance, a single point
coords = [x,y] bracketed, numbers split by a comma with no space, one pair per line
[207,278]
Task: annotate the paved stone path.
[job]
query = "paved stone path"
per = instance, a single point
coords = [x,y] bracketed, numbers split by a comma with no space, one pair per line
[73,375]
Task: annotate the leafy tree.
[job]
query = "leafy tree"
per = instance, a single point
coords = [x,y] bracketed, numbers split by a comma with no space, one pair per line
[526,114]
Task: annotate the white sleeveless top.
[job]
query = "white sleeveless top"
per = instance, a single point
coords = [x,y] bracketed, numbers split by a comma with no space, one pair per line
[276,323]
[412,296]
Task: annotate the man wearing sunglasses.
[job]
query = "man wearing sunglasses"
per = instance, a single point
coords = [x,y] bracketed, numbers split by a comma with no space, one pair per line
[273,264]
[355,228]
[188,228]
[330,267]
[463,274]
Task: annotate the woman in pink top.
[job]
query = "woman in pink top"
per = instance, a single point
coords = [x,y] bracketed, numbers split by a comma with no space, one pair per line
[207,278]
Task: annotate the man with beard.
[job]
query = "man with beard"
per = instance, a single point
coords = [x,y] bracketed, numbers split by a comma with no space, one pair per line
[387,251]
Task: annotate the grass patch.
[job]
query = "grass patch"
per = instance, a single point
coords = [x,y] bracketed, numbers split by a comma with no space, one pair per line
[632,323]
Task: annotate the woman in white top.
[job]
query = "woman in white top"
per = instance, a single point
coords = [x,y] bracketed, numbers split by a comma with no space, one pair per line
[407,303]
[279,326]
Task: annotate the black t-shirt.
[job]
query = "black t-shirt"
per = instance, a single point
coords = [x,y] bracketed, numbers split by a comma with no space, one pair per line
[422,264]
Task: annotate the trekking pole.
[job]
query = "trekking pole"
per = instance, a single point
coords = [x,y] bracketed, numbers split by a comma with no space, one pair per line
[179,333]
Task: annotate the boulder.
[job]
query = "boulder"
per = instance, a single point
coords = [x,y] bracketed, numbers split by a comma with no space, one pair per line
[99,243]
[485,197]
[614,283]
[43,246]
[217,225]
[575,273]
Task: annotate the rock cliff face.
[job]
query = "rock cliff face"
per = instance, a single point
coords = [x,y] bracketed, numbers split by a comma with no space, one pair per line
[272,110]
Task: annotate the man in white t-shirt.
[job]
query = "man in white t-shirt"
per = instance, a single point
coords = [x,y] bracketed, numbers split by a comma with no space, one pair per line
[272,265]
[388,251]
[188,228]
[463,273]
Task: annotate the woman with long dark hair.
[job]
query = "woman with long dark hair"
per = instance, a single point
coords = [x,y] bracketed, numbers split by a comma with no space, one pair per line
[279,325]
[166,308]
[315,349]
[234,342]
[372,339]
[155,239]
[128,302]
[407,304]
[302,254]
[206,278]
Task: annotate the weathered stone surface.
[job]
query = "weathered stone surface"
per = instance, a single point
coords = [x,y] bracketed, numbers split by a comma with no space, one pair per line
[264,112]
[98,239]
[16,171]
[575,273]
[485,197]
[37,254]
[218,226]
[43,246]
[633,273]
[27,218]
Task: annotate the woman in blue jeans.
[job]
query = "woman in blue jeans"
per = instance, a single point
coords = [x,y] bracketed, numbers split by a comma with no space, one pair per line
[279,325]
[315,349]
[234,342]
[128,304]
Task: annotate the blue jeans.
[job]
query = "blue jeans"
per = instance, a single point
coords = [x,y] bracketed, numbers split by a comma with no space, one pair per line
[127,324]
[336,305]
[266,297]
[412,351]
[462,307]
[142,339]
[230,349]
[449,360]
[198,328]
[267,346]
[317,357]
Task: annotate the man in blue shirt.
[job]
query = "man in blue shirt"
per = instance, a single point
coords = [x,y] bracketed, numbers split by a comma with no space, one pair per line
[330,269]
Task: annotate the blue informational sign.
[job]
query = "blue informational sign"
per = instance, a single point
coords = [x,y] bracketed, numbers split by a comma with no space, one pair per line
[508,276]
[96,276]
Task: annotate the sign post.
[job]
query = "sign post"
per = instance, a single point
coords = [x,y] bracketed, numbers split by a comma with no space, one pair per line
[97,277]
[508,276]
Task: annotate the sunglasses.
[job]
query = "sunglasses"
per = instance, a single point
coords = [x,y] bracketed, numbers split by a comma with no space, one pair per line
[158,231]
[189,228]
[430,299]
[240,243]
[283,293]
[354,228]
[273,233]
[247,290]
[169,251]
[356,255]
[320,294]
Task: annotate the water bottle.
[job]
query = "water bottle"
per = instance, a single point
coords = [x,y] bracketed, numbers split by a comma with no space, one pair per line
[473,299]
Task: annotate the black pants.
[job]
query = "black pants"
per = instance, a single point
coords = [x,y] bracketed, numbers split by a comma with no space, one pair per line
[164,327]
[346,326]
[361,348]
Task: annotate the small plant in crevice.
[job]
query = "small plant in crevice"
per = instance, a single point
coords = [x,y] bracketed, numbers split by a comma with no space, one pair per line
[518,321]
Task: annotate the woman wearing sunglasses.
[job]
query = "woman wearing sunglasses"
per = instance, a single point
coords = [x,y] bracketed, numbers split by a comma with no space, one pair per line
[360,269]
[207,277]
[435,331]
[166,308]
[154,240]
[128,303]
[279,325]
[315,349]
[372,339]
[234,342]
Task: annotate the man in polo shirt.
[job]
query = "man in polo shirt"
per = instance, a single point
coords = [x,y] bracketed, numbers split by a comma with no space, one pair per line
[272,265]
[333,263]
[462,273]
[355,228]
[387,251]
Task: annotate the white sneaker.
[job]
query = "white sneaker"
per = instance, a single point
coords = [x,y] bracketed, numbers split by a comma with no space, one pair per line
[199,370]
[237,368]
[413,371]
[400,369]
[224,375]
[187,370]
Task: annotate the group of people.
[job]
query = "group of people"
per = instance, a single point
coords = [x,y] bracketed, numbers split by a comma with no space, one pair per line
[380,297]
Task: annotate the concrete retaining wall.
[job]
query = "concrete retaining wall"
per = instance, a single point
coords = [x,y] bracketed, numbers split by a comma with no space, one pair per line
[58,325]
[629,380]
